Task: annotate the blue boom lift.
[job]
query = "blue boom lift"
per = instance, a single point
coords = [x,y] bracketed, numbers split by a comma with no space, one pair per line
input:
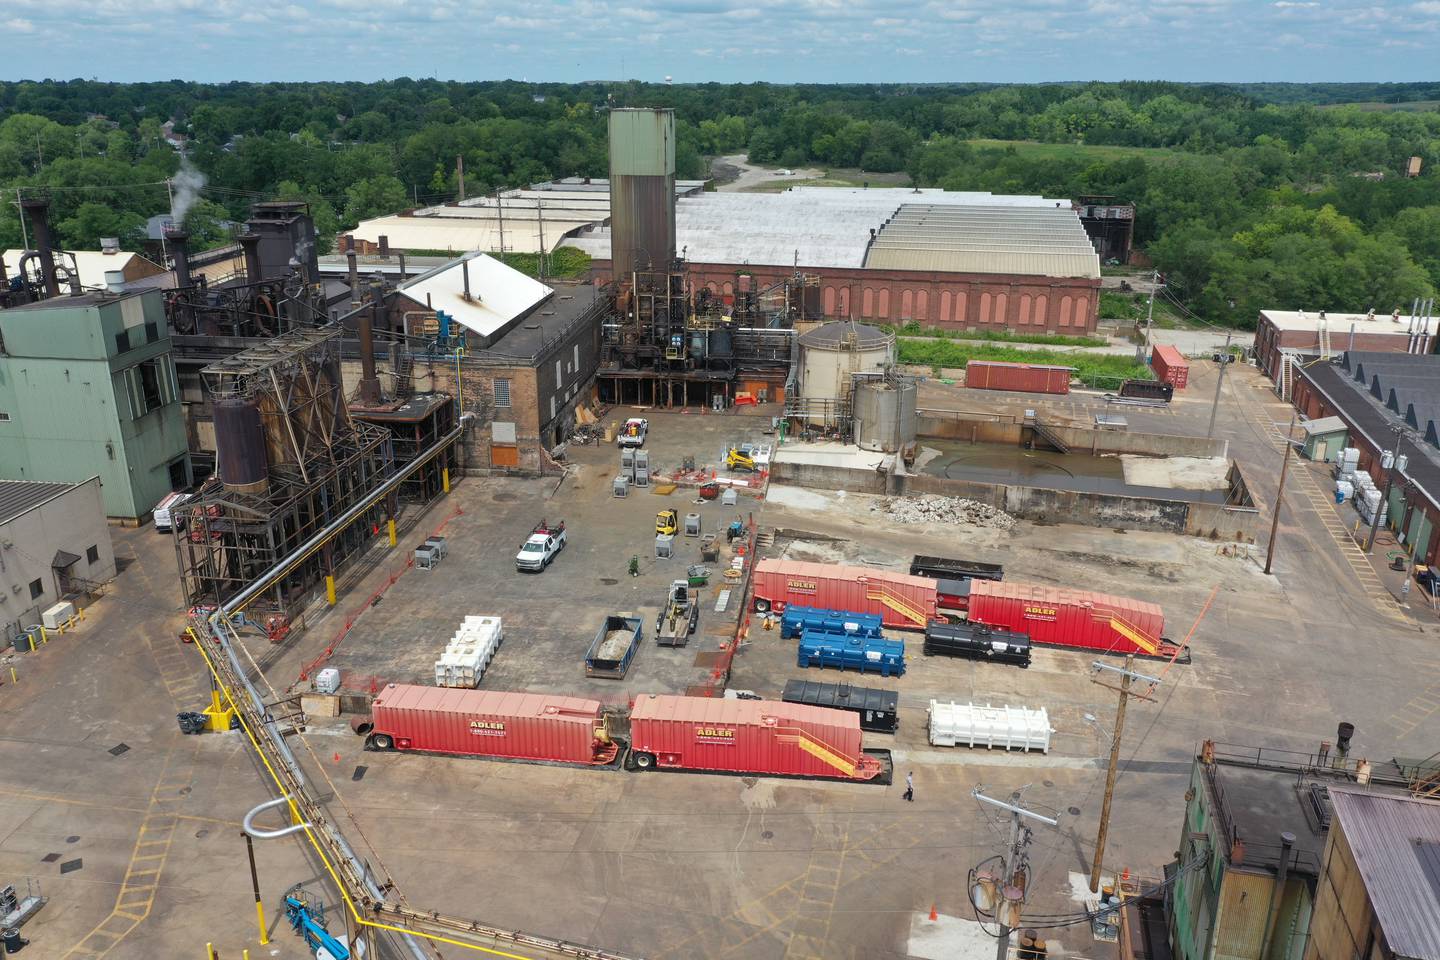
[307,918]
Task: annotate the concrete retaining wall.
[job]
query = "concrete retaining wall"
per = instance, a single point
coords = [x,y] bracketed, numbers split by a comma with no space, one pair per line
[1238,523]
[1001,428]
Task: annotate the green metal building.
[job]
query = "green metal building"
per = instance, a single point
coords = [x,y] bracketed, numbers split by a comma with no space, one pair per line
[87,387]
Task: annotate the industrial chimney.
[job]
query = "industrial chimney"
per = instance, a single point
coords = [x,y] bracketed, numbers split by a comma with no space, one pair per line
[180,254]
[368,393]
[642,190]
[38,210]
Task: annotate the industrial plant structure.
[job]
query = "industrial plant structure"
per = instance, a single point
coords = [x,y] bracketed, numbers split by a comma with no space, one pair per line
[950,260]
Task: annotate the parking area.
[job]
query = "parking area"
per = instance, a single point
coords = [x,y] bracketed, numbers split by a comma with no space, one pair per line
[677,865]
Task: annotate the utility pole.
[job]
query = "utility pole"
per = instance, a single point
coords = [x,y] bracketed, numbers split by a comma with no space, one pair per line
[1150,314]
[1215,407]
[460,176]
[24,232]
[1385,496]
[1012,861]
[1126,676]
[540,219]
[1280,493]
[500,209]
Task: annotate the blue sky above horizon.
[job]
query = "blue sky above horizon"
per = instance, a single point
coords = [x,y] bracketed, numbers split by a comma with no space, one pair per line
[725,40]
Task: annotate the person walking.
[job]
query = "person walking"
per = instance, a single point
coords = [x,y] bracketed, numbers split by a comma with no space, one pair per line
[909,786]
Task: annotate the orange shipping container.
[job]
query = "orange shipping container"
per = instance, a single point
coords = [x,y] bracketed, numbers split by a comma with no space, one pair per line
[1020,377]
[1169,366]
[902,601]
[1068,618]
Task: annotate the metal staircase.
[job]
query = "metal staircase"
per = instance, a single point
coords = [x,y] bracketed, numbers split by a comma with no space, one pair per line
[900,605]
[819,750]
[404,376]
[1048,435]
[1323,335]
[1133,633]
[1425,785]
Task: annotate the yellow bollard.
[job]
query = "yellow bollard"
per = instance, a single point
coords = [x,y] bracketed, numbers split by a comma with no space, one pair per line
[13,678]
[260,914]
[209,951]
[44,637]
[244,955]
[390,526]
[31,638]
[330,589]
[445,480]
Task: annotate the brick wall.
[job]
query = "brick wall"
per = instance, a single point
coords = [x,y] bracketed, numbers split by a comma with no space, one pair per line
[936,299]
[1269,340]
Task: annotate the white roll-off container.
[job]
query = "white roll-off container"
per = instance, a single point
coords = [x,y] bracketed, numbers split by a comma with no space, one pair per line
[1004,728]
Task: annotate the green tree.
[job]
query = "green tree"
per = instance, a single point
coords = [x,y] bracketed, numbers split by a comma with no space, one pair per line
[374,197]
[92,221]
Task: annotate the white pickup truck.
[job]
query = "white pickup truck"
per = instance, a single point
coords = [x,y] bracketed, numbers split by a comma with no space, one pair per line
[544,542]
[632,434]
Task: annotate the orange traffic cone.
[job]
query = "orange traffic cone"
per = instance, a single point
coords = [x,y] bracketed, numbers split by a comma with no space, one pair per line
[934,915]
[1125,875]
[337,758]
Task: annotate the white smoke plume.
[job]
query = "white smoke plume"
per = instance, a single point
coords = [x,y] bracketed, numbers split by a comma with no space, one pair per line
[186,186]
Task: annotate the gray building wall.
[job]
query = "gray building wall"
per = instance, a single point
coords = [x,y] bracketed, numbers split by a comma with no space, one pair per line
[73,521]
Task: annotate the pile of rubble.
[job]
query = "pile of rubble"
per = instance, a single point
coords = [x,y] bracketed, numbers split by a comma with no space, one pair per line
[937,509]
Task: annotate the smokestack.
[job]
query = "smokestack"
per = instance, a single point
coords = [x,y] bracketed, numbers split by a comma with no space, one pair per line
[250,243]
[180,254]
[38,210]
[384,247]
[465,272]
[354,274]
[402,266]
[642,191]
[369,391]
[1277,892]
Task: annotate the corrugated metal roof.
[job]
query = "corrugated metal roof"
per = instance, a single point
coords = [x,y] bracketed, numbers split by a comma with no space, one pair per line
[22,496]
[1031,240]
[466,234]
[92,265]
[499,294]
[831,226]
[1392,838]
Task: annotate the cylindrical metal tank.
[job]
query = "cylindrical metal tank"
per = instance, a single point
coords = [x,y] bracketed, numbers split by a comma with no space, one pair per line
[699,344]
[885,414]
[642,190]
[240,445]
[832,352]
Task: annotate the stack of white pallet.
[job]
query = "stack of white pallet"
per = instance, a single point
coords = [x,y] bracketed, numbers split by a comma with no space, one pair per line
[1367,498]
[469,652]
[1006,728]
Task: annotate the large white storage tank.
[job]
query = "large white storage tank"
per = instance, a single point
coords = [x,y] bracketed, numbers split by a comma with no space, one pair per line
[1005,728]
[832,352]
[885,413]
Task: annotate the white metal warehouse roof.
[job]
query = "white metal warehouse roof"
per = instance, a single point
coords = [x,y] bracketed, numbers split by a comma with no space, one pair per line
[831,227]
[499,294]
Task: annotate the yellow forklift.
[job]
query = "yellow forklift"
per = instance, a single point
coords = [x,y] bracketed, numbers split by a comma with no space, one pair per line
[740,458]
[667,522]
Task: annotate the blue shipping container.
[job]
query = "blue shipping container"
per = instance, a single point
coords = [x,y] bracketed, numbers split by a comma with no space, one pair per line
[866,654]
[796,620]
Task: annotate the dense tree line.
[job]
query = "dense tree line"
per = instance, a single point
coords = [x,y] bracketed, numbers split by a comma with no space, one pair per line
[1248,195]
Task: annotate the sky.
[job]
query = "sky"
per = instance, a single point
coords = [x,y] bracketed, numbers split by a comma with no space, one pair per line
[724,40]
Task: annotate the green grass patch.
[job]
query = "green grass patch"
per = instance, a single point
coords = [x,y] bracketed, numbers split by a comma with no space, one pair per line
[913,329]
[1121,306]
[562,263]
[1101,370]
[1059,151]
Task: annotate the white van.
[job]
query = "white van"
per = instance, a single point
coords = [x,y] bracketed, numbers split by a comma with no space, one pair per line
[163,508]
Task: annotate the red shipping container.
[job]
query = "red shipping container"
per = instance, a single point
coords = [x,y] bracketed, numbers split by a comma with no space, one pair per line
[902,601]
[489,723]
[1069,618]
[1021,377]
[1169,366]
[748,736]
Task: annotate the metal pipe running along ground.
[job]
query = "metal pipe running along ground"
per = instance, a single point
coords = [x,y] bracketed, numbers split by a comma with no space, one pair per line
[260,725]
